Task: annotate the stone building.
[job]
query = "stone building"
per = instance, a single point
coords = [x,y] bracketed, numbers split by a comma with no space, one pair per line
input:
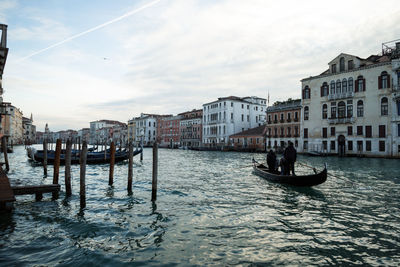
[229,115]
[168,134]
[348,109]
[191,128]
[283,124]
[252,140]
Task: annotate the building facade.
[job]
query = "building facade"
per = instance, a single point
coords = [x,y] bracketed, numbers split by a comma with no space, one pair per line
[191,128]
[229,115]
[348,109]
[250,140]
[29,130]
[99,136]
[145,129]
[168,134]
[283,124]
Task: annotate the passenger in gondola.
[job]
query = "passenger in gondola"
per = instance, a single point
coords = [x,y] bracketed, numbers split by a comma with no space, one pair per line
[271,160]
[283,163]
[290,155]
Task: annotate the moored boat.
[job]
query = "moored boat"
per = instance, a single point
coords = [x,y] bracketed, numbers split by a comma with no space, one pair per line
[300,180]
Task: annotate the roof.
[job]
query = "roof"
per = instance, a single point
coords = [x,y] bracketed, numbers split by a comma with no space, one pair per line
[260,130]
[287,105]
[235,98]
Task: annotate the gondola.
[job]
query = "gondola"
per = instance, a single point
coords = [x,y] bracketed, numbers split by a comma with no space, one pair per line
[301,180]
[92,157]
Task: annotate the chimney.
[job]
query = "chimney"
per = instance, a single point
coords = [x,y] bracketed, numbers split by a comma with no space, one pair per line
[3,29]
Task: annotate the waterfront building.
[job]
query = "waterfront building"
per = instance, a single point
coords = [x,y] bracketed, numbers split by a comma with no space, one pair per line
[283,124]
[191,128]
[145,128]
[250,140]
[29,130]
[96,125]
[348,109]
[12,124]
[131,129]
[84,134]
[168,134]
[229,115]
[3,58]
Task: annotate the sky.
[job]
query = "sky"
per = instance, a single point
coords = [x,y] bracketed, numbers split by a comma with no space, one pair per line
[71,62]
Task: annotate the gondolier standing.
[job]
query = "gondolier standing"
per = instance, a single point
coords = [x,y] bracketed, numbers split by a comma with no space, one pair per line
[290,155]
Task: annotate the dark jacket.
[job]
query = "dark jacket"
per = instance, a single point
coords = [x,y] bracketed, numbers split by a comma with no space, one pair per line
[271,158]
[290,154]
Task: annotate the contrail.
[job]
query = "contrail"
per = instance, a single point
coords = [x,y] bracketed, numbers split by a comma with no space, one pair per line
[130,13]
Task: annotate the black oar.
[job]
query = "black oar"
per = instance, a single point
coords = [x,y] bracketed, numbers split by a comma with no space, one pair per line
[303,164]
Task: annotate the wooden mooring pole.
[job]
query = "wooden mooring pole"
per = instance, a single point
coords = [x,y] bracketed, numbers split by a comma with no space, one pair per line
[130,167]
[112,162]
[68,189]
[56,173]
[155,170]
[82,192]
[4,147]
[44,157]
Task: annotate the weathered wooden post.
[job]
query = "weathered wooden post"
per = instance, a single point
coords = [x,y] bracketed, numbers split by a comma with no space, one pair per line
[44,157]
[141,153]
[68,190]
[112,161]
[130,167]
[4,148]
[82,192]
[105,151]
[56,173]
[155,170]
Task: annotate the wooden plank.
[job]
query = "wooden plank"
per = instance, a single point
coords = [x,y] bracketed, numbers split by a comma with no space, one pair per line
[35,189]
[6,193]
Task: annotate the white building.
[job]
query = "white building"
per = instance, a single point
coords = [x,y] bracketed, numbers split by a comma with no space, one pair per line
[349,108]
[229,115]
[145,128]
[95,126]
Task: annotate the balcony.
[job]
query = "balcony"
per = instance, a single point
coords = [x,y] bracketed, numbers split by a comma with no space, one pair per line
[275,121]
[341,120]
[396,87]
[289,120]
[341,96]
[282,121]
[269,122]
[296,119]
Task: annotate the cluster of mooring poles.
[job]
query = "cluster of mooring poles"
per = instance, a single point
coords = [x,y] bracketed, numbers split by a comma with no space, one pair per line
[83,159]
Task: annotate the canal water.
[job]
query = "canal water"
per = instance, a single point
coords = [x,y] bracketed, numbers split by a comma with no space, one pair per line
[211,210]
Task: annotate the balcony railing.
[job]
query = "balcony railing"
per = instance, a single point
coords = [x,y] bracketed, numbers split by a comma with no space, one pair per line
[341,120]
[282,121]
[269,122]
[275,121]
[296,119]
[396,87]
[341,96]
[289,120]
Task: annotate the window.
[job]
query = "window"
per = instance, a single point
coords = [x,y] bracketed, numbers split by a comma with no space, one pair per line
[289,131]
[368,131]
[242,106]
[360,108]
[368,145]
[344,85]
[398,129]
[360,84]
[289,116]
[341,64]
[333,68]
[231,116]
[383,80]
[382,146]
[350,65]
[306,113]
[359,130]
[333,131]
[341,109]
[382,131]
[350,145]
[305,145]
[333,145]
[242,117]
[349,130]
[282,131]
[384,106]
[296,115]
[350,84]
[333,110]
[231,104]
[306,92]
[324,89]
[305,132]
[338,86]
[324,132]
[332,87]
[349,108]
[324,111]
[248,106]
[281,117]
[248,117]
[325,145]
[398,107]
[359,145]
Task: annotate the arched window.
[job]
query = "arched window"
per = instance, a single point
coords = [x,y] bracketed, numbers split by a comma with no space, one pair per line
[360,108]
[341,64]
[384,106]
[350,83]
[384,80]
[332,87]
[344,85]
[306,92]
[360,84]
[306,113]
[324,89]
[338,86]
[324,111]
[341,109]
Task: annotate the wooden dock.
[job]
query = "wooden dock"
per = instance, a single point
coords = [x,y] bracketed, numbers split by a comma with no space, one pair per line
[6,192]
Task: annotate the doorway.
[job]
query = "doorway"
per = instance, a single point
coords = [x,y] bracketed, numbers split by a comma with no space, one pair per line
[342,146]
